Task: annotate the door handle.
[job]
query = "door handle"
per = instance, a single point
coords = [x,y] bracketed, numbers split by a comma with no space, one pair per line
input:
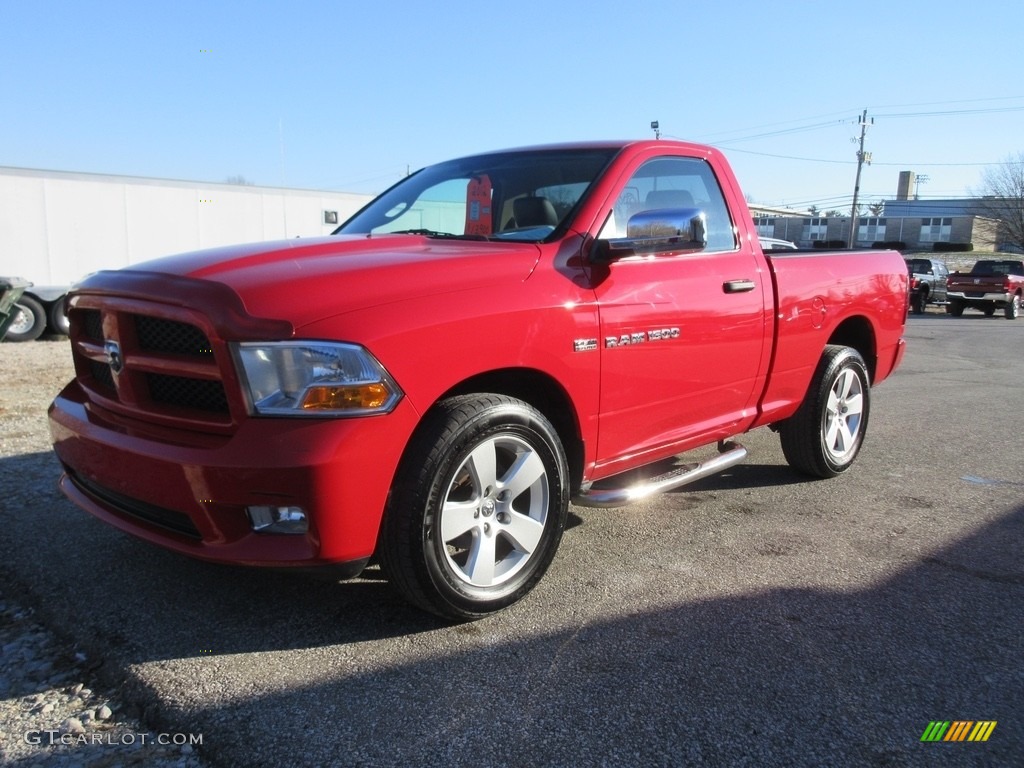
[739,286]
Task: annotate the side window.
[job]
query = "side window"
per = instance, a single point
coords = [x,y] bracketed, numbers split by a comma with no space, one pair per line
[674,182]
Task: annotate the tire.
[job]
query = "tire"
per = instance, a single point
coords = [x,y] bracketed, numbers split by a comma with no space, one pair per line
[478,507]
[824,436]
[58,320]
[989,311]
[1012,308]
[30,322]
[918,302]
[955,308]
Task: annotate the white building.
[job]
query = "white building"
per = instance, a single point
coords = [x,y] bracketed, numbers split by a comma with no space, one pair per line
[56,226]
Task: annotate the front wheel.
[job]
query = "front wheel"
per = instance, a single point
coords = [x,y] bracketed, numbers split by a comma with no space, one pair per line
[478,507]
[824,436]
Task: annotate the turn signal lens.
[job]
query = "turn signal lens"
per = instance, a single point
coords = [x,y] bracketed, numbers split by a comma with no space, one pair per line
[369,397]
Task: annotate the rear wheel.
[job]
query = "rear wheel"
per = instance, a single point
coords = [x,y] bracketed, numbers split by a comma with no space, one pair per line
[918,302]
[29,322]
[955,308]
[825,435]
[1012,308]
[478,507]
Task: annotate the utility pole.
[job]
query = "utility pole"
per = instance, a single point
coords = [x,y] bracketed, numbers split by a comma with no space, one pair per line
[862,157]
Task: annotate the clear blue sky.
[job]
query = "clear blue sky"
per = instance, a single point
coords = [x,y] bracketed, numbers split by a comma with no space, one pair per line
[347,96]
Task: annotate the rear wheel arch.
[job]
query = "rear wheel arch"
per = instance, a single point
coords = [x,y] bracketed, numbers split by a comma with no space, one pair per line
[857,333]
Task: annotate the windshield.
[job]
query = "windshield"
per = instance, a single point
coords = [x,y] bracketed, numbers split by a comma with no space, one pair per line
[525,195]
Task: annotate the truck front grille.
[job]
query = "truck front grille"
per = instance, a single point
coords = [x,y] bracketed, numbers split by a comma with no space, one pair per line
[102,375]
[187,393]
[92,324]
[158,335]
[155,363]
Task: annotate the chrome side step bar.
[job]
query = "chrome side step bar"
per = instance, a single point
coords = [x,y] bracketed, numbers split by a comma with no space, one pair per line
[729,454]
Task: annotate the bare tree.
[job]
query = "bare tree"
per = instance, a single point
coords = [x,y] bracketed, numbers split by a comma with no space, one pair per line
[1001,197]
[876,209]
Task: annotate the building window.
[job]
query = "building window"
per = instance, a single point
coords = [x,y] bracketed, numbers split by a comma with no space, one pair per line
[870,230]
[936,230]
[815,229]
[765,226]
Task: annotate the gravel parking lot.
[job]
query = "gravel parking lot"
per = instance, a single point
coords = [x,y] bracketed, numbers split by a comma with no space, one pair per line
[755,619]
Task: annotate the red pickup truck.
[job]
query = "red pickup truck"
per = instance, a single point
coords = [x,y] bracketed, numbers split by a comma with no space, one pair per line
[990,285]
[488,340]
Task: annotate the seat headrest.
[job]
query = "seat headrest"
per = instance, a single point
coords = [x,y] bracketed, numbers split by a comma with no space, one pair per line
[669,198]
[534,212]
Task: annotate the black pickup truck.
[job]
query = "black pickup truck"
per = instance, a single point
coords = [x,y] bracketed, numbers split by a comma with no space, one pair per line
[927,283]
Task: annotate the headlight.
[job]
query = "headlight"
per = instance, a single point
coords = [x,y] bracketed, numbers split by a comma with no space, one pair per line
[314,378]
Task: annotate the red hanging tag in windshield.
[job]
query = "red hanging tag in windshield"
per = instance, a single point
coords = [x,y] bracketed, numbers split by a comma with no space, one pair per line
[478,206]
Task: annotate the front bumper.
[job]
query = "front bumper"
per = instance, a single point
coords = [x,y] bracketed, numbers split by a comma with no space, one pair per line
[189,491]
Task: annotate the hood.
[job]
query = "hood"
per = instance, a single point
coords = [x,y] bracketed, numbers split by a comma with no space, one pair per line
[310,279]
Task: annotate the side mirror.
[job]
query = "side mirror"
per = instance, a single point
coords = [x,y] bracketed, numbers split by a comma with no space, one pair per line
[664,230]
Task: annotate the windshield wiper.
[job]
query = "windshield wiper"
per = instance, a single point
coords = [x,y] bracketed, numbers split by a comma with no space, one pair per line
[438,235]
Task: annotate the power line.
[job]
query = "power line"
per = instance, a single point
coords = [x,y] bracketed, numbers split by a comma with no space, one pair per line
[726,142]
[902,164]
[712,138]
[724,138]
[791,157]
[955,101]
[949,112]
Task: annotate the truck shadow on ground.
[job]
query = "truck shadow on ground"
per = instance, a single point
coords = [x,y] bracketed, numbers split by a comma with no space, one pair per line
[944,316]
[797,676]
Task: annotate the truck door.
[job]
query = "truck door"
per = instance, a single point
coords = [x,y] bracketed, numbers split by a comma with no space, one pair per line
[683,336]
